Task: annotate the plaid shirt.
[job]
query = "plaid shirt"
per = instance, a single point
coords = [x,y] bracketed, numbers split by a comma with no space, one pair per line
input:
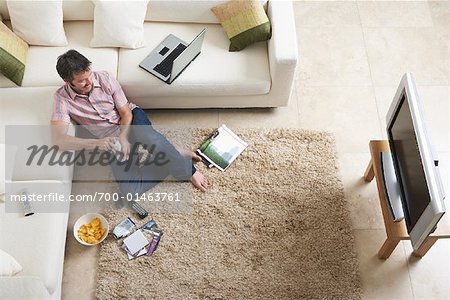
[96,111]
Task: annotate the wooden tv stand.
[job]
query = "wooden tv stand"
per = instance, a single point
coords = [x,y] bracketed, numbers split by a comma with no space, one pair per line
[396,231]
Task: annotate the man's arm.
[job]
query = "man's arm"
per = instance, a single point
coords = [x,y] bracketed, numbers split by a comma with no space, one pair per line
[125,120]
[68,142]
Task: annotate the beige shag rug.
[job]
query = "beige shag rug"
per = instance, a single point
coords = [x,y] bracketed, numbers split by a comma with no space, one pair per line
[274,226]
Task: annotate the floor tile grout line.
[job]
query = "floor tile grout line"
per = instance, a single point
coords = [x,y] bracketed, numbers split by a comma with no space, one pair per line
[295,91]
[431,15]
[409,270]
[380,127]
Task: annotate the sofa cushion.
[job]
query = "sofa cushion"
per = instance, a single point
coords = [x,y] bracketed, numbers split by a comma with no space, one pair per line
[13,55]
[245,22]
[25,106]
[215,72]
[9,266]
[38,22]
[3,174]
[119,23]
[78,10]
[37,241]
[30,106]
[19,288]
[7,156]
[41,61]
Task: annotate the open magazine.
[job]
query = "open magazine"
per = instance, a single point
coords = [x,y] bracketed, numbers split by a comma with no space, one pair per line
[222,148]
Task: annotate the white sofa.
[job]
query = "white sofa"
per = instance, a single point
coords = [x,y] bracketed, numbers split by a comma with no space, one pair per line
[261,75]
[37,242]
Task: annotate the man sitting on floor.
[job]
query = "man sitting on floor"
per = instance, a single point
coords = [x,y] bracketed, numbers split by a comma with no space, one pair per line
[96,101]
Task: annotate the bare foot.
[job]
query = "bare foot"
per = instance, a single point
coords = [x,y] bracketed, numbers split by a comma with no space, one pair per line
[189,154]
[199,181]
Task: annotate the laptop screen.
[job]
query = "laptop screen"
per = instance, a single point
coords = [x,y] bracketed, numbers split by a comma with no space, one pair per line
[192,50]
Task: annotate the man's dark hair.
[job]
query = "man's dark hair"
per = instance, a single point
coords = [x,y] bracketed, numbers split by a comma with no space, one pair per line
[70,63]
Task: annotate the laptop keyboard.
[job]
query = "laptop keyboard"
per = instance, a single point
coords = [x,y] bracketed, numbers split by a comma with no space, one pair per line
[165,66]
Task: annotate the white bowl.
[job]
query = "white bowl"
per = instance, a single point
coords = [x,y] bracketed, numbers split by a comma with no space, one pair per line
[86,219]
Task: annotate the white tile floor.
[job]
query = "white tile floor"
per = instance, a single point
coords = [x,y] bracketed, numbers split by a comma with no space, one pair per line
[352,55]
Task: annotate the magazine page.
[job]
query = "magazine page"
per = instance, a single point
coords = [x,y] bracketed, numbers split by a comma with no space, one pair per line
[222,148]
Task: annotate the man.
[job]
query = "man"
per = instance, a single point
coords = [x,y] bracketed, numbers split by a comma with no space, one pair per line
[96,101]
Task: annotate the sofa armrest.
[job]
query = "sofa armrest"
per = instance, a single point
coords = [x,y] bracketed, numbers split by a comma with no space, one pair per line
[282,48]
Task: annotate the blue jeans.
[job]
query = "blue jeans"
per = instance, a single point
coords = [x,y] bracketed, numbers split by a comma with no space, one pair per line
[134,179]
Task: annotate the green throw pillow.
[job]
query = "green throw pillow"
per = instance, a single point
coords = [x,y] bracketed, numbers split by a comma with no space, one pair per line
[13,55]
[244,21]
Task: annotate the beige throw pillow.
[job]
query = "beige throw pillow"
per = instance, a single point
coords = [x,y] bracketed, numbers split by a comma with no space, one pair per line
[119,23]
[244,21]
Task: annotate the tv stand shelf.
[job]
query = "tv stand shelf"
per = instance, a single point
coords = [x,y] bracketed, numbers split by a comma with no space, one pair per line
[396,231]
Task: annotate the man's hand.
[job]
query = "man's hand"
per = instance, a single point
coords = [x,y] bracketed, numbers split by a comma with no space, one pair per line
[106,144]
[126,147]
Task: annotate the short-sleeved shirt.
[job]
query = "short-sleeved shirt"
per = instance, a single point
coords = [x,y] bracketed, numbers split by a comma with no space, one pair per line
[97,112]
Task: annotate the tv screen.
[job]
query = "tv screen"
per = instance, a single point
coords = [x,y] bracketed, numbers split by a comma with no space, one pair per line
[409,164]
[415,163]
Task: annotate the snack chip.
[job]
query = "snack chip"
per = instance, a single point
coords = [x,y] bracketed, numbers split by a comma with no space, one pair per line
[92,232]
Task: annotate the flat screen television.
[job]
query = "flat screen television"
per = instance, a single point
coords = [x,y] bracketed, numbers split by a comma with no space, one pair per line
[415,164]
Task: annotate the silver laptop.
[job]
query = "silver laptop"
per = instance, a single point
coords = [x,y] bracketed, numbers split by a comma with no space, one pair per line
[169,59]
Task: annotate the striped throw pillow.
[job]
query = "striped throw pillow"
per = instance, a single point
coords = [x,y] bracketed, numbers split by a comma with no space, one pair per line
[13,55]
[244,21]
